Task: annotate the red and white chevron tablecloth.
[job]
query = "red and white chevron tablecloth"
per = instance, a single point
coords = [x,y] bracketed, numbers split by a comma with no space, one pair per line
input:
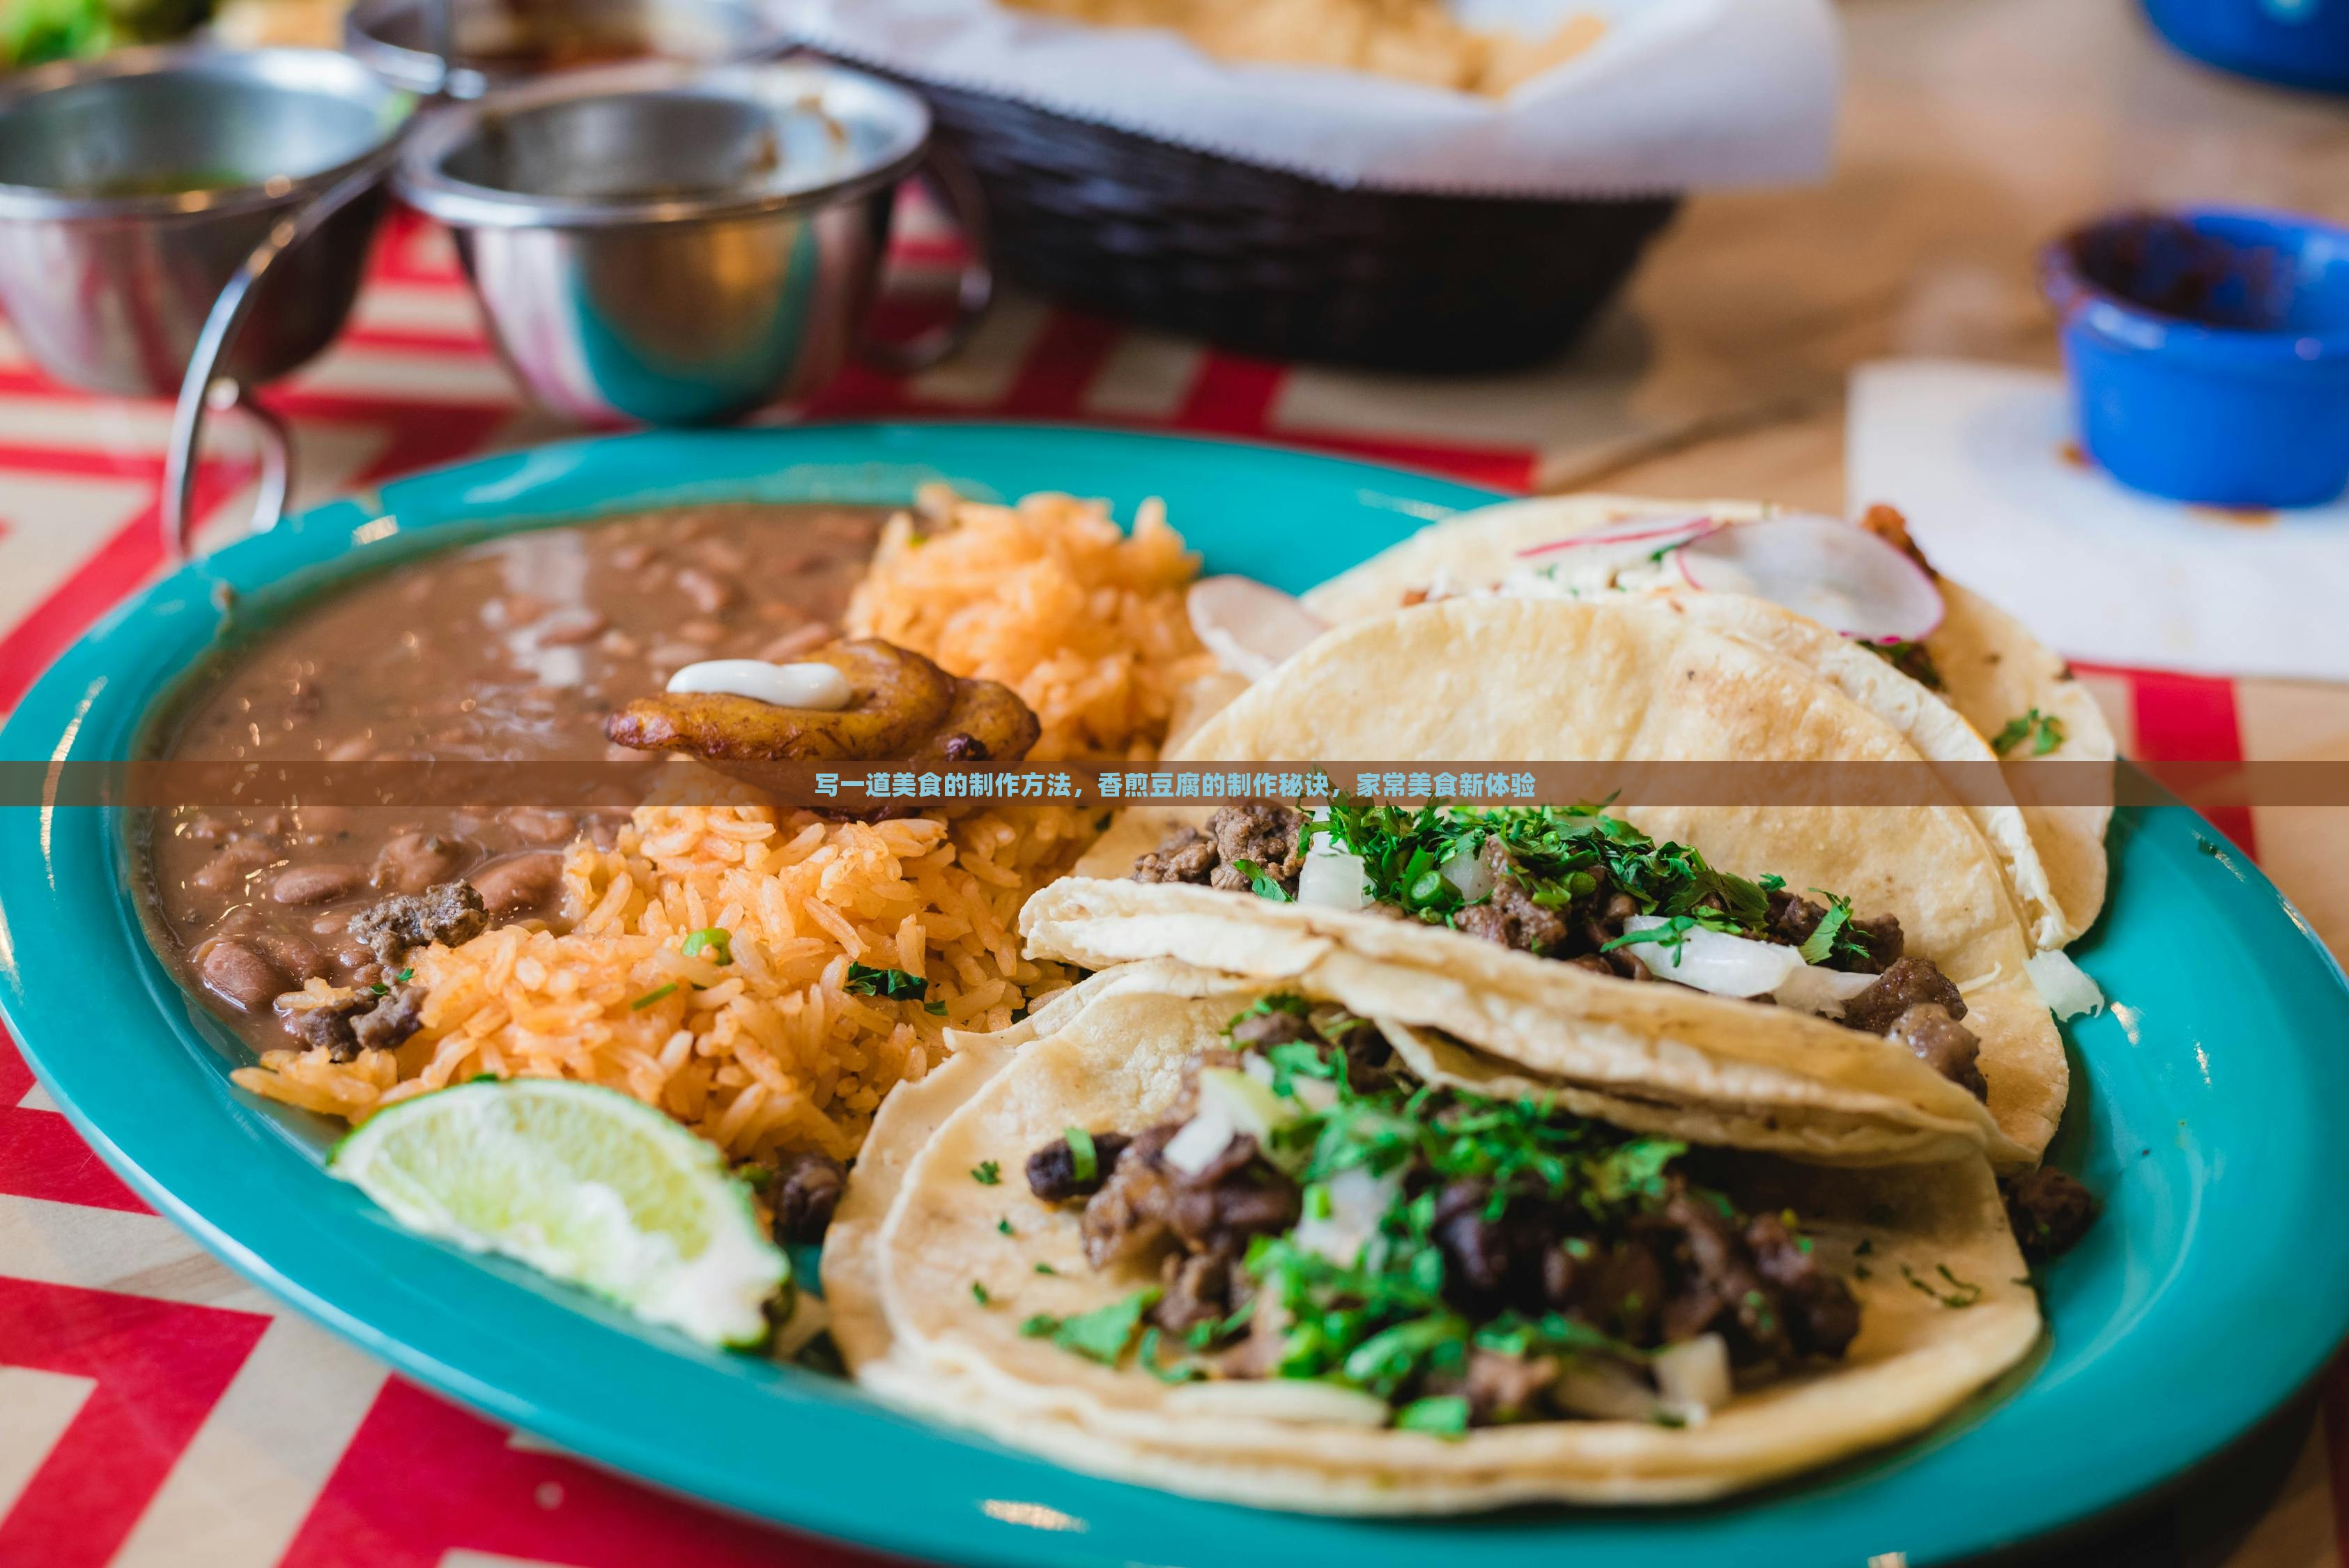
[157,1411]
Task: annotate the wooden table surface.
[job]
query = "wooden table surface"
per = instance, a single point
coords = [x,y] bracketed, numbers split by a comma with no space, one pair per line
[154,1410]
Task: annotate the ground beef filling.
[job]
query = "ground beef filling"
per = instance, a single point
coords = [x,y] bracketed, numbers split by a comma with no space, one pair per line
[802,1194]
[450,913]
[1689,1266]
[1913,1004]
[379,1017]
[2050,1211]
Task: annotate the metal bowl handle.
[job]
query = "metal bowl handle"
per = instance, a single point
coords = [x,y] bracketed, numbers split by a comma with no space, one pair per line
[204,388]
[950,180]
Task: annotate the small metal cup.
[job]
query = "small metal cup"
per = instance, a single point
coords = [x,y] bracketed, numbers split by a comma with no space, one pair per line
[133,187]
[657,244]
[498,43]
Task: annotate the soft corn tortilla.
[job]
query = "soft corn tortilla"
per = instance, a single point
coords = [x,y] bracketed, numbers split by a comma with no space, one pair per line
[1628,679]
[1655,1058]
[1118,1062]
[1993,671]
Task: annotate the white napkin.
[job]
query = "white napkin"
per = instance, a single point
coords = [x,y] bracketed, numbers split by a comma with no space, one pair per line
[1678,94]
[1981,459]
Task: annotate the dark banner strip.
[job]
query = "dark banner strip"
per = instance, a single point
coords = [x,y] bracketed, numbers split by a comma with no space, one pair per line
[869,788]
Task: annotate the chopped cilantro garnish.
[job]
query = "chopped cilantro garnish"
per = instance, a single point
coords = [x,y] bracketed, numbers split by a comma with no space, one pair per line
[1005,1226]
[1446,1416]
[1148,1356]
[1102,1333]
[864,980]
[1911,659]
[1961,1293]
[2044,731]
[1555,855]
[715,941]
[1044,1268]
[648,998]
[1084,1161]
[1820,945]
[1039,1325]
[758,1176]
[380,988]
[935,1009]
[978,1293]
[404,976]
[987,1173]
[1265,885]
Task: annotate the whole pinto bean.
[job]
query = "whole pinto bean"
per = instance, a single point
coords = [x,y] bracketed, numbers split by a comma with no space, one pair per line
[239,975]
[298,959]
[318,884]
[414,861]
[518,883]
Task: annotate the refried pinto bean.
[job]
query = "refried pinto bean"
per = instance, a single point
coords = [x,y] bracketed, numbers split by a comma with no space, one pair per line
[512,649]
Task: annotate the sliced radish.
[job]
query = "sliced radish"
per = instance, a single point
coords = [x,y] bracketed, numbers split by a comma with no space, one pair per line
[1841,576]
[1656,533]
[1248,626]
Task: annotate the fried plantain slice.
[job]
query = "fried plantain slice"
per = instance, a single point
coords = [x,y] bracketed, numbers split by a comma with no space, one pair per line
[900,700]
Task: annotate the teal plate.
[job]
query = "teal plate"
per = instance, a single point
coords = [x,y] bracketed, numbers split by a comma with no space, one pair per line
[2214,1288]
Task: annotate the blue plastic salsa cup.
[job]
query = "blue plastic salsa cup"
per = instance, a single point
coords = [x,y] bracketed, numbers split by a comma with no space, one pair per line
[2208,353]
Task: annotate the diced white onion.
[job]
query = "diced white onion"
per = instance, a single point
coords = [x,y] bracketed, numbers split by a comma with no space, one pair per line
[1333,880]
[1298,1399]
[1694,1374]
[1249,1106]
[2064,985]
[1314,1093]
[1469,874]
[816,686]
[1606,1390]
[1715,961]
[1203,1137]
[1358,1201]
[1812,987]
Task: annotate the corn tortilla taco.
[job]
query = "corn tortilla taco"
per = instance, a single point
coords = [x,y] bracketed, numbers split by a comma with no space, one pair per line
[1976,677]
[1924,947]
[1242,1244]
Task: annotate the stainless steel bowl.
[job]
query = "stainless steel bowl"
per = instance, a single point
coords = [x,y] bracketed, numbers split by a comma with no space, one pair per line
[131,189]
[678,246]
[497,42]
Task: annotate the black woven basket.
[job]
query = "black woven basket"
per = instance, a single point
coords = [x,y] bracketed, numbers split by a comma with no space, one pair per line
[1273,263]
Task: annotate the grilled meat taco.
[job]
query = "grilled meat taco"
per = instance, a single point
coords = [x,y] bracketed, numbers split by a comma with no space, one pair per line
[1246,1245]
[1978,685]
[1565,915]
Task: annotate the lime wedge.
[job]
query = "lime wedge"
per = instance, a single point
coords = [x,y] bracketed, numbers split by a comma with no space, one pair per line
[581,1183]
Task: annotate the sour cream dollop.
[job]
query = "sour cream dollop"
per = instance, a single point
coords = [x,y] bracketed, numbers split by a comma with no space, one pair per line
[816,686]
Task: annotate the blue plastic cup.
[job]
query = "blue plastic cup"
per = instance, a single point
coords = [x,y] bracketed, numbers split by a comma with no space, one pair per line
[2300,43]
[2208,353]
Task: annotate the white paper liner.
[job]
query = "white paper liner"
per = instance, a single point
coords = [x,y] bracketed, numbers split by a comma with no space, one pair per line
[1981,458]
[1677,95]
